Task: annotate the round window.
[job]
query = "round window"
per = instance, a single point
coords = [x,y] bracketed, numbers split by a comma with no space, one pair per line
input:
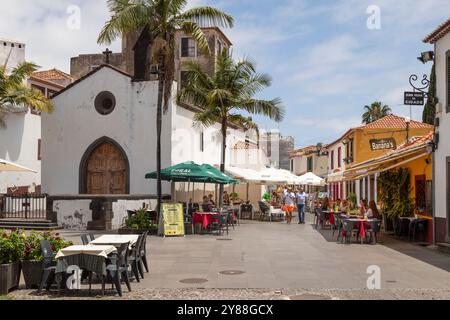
[105,102]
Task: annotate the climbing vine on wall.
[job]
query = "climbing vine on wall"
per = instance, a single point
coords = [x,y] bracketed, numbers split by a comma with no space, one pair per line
[395,193]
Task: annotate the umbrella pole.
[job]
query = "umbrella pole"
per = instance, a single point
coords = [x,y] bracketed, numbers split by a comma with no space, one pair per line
[193,192]
[204,190]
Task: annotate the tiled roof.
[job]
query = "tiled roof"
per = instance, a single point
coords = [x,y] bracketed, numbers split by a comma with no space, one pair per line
[409,148]
[52,75]
[437,34]
[303,151]
[396,122]
[241,145]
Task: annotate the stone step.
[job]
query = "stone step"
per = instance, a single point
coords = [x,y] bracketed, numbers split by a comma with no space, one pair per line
[444,248]
[28,224]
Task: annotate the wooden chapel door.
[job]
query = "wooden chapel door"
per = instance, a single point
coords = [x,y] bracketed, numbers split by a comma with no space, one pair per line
[106,171]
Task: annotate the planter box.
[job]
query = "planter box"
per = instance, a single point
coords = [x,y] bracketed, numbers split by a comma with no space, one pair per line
[32,273]
[134,231]
[9,277]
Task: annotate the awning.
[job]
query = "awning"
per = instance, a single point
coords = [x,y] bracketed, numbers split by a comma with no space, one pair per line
[12,167]
[192,172]
[312,180]
[336,177]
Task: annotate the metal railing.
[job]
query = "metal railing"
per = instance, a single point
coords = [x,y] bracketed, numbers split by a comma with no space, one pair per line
[25,206]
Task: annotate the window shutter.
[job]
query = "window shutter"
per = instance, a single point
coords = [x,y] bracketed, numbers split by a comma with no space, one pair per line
[185,47]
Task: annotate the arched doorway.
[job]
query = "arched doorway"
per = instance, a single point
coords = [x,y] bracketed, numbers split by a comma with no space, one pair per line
[104,169]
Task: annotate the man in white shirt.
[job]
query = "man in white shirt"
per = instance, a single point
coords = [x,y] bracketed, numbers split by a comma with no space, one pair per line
[301,198]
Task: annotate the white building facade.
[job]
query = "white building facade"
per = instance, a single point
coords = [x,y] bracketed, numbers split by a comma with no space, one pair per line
[440,38]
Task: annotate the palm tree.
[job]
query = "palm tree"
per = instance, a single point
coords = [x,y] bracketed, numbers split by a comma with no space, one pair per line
[375,112]
[225,94]
[162,18]
[14,92]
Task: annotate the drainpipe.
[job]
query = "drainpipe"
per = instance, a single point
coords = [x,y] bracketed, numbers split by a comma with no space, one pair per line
[433,182]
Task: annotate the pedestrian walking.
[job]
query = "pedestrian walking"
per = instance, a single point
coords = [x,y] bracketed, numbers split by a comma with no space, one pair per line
[289,205]
[301,198]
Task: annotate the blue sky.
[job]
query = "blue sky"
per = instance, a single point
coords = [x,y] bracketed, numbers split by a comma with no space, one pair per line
[325,63]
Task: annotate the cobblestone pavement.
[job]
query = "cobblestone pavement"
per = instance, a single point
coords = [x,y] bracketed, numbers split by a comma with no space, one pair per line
[280,261]
[247,294]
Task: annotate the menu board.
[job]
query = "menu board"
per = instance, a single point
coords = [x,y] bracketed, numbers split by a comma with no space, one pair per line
[173,219]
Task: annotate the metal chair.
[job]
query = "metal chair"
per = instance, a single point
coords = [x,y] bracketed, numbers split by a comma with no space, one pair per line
[188,224]
[84,239]
[264,211]
[221,223]
[374,229]
[48,266]
[135,259]
[118,268]
[337,225]
[246,211]
[349,228]
[144,251]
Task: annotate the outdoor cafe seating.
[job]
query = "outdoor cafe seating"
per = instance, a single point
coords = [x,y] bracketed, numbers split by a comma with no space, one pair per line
[111,258]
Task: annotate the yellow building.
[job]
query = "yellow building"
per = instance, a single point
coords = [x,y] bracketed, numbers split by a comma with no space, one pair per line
[372,141]
[414,155]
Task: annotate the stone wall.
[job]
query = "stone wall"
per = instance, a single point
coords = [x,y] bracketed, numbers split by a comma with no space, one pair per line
[85,63]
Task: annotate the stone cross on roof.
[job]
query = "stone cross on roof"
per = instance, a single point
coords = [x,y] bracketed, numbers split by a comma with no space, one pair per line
[107,54]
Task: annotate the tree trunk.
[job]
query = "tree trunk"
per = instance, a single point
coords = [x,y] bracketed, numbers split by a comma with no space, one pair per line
[222,163]
[161,84]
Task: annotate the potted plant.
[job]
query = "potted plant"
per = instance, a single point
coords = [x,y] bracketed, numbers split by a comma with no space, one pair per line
[12,247]
[352,200]
[139,223]
[234,197]
[32,257]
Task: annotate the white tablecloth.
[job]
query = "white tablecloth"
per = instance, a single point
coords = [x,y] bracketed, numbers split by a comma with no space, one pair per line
[100,251]
[115,240]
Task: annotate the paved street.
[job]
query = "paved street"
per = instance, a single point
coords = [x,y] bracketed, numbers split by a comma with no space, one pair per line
[281,258]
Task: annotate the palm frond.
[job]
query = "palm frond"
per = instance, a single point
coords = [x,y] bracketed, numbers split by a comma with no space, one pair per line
[22,95]
[270,108]
[208,17]
[126,16]
[20,73]
[193,29]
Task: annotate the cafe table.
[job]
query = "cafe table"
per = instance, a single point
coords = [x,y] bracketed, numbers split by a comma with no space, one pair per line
[362,226]
[91,258]
[205,218]
[115,240]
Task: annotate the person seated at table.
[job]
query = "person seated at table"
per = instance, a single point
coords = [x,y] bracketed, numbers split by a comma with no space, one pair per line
[345,207]
[325,205]
[226,198]
[206,205]
[211,201]
[337,205]
[275,199]
[363,207]
[372,212]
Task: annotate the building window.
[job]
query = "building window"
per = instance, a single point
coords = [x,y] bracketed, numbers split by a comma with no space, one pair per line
[339,157]
[39,153]
[349,152]
[292,165]
[105,102]
[202,141]
[332,159]
[188,48]
[310,164]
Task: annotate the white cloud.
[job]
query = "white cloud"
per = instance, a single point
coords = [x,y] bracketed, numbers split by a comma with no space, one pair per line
[337,125]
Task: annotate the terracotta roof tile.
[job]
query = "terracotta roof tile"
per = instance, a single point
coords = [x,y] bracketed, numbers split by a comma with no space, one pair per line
[52,75]
[396,122]
[437,34]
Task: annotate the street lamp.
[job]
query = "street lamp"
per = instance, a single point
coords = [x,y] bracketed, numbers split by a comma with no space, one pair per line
[426,57]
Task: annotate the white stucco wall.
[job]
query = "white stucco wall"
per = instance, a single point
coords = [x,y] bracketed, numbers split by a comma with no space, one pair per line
[442,47]
[73,214]
[19,144]
[334,150]
[75,125]
[11,52]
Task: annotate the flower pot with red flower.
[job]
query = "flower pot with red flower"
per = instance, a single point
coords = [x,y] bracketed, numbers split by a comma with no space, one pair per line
[32,265]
